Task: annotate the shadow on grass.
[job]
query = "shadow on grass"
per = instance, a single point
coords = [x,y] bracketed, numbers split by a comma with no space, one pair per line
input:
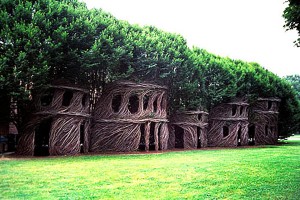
[291,141]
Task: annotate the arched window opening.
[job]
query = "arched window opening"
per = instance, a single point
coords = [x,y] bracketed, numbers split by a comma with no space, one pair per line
[241,110]
[251,134]
[67,97]
[84,100]
[116,103]
[269,105]
[41,138]
[145,102]
[225,131]
[199,137]
[239,136]
[179,132]
[199,117]
[82,127]
[133,105]
[142,145]
[47,97]
[155,105]
[234,108]
[275,106]
[151,137]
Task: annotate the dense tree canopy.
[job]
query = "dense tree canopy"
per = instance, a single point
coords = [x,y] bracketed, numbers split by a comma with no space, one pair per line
[294,80]
[292,17]
[45,40]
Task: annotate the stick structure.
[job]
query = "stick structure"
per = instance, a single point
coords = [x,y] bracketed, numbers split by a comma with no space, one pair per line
[133,116]
[61,120]
[129,116]
[228,125]
[188,130]
[264,121]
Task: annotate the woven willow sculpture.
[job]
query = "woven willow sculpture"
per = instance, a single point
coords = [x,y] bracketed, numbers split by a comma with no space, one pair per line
[189,130]
[129,117]
[133,116]
[228,125]
[263,127]
[60,124]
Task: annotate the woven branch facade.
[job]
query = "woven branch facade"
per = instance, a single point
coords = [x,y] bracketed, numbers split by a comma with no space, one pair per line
[263,127]
[60,125]
[129,117]
[228,125]
[133,116]
[188,130]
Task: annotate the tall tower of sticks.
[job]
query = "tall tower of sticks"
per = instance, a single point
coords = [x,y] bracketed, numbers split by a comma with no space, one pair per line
[189,130]
[228,125]
[60,123]
[130,116]
[263,127]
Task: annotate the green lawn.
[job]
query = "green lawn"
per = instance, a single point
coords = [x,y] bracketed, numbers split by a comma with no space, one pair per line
[271,172]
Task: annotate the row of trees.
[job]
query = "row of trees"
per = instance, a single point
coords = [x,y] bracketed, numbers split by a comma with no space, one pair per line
[45,40]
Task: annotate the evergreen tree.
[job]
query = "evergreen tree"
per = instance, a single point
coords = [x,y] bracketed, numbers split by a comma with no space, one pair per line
[46,40]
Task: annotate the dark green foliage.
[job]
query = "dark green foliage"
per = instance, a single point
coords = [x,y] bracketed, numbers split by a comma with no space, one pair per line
[291,15]
[22,61]
[214,77]
[294,80]
[219,79]
[293,100]
[42,41]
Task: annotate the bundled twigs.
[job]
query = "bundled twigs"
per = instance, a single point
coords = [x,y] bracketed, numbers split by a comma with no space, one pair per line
[66,110]
[264,120]
[133,116]
[228,125]
[194,130]
[128,113]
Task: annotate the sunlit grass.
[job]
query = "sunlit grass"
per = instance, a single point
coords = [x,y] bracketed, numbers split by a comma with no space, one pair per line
[271,172]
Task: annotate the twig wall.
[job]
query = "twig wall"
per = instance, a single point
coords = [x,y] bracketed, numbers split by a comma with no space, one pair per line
[60,119]
[130,115]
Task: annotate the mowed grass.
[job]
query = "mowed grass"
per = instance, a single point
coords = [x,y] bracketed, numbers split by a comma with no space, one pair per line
[270,172]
